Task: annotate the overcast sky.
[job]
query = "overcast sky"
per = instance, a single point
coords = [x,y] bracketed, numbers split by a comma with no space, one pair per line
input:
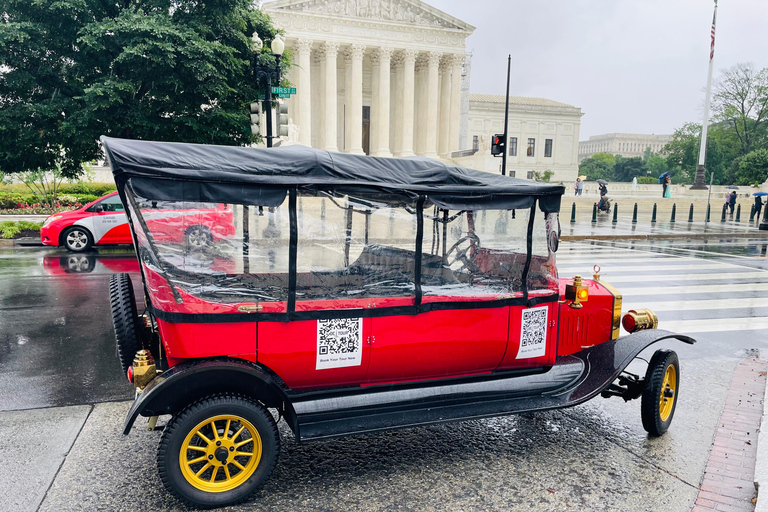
[633,66]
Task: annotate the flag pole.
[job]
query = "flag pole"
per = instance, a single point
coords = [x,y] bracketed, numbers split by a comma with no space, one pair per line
[698,182]
[506,121]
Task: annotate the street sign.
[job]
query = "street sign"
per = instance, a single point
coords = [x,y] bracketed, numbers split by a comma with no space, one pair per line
[284,90]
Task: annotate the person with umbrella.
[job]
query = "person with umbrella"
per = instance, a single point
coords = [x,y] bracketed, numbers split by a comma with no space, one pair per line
[603,187]
[759,204]
[732,201]
[664,179]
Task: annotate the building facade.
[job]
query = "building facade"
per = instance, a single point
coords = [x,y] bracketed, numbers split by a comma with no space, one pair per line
[376,77]
[624,144]
[542,136]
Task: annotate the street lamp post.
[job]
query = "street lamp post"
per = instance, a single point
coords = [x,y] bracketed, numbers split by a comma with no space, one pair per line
[268,73]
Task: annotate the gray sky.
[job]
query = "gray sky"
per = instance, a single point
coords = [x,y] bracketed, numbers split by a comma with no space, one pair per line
[635,66]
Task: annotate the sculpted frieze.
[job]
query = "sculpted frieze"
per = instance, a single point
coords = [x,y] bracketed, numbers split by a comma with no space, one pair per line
[385,10]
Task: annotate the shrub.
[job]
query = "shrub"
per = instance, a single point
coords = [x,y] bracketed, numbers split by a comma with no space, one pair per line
[86,199]
[10,199]
[9,229]
[81,188]
[647,180]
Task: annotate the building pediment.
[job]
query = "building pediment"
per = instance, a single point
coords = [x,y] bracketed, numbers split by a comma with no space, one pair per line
[409,12]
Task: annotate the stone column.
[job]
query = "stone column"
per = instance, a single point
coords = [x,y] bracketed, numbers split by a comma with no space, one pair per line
[304,91]
[396,98]
[432,88]
[380,88]
[409,62]
[420,103]
[353,136]
[444,126]
[455,116]
[331,94]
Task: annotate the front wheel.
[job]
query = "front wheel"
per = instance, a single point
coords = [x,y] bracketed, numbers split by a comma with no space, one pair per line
[77,239]
[218,451]
[662,381]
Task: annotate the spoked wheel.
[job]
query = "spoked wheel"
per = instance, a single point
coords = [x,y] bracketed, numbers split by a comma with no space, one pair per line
[77,239]
[125,319]
[662,380]
[218,451]
[198,237]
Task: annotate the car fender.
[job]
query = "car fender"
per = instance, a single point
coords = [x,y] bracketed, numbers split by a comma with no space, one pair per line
[604,362]
[187,382]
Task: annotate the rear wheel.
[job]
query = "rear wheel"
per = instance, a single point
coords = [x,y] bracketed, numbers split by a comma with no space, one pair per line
[218,451]
[77,239]
[662,380]
[198,237]
[125,319]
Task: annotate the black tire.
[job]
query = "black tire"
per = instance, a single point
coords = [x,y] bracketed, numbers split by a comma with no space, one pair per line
[197,237]
[128,326]
[77,239]
[662,384]
[227,488]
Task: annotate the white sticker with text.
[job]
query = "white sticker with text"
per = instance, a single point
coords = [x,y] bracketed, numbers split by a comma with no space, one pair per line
[339,343]
[533,333]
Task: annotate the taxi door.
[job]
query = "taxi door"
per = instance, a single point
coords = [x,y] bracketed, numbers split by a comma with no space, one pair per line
[110,225]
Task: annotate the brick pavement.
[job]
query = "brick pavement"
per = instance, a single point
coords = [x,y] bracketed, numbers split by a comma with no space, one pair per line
[728,478]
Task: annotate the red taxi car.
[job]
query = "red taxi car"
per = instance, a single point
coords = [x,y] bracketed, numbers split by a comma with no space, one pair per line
[371,294]
[103,222]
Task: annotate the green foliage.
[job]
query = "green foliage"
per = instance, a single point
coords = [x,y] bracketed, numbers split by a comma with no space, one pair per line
[740,101]
[544,176]
[178,70]
[598,166]
[86,199]
[9,229]
[647,180]
[628,168]
[752,168]
[85,188]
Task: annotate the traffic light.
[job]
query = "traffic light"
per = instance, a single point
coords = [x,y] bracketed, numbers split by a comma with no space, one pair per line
[256,124]
[497,145]
[282,119]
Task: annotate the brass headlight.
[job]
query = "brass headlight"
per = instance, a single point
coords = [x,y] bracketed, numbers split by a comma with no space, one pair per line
[639,320]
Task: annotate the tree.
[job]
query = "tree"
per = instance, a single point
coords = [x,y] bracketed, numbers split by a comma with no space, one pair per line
[72,70]
[753,168]
[628,168]
[598,166]
[741,99]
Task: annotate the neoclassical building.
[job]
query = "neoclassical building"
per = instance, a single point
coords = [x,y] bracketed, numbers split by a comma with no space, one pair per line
[379,77]
[624,144]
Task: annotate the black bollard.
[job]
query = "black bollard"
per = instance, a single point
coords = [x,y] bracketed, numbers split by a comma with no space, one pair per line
[674,209]
[653,217]
[752,213]
[594,212]
[764,223]
[615,212]
[707,213]
[634,215]
[738,213]
[573,212]
[722,216]
[690,214]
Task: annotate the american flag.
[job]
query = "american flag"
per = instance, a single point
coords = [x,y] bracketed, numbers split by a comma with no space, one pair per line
[712,45]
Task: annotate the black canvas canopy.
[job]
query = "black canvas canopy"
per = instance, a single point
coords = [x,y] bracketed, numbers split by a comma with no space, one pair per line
[198,172]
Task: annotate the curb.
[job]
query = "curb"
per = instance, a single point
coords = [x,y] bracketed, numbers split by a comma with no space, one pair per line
[664,236]
[761,462]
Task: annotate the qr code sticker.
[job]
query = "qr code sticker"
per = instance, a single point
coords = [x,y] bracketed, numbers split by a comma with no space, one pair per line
[533,333]
[339,343]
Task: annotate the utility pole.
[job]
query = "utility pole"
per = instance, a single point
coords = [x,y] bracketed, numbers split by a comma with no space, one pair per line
[698,182]
[506,121]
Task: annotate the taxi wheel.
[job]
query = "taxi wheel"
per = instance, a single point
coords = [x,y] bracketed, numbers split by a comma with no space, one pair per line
[662,380]
[218,451]
[125,319]
[198,237]
[77,239]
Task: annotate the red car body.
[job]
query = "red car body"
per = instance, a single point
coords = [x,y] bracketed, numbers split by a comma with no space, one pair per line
[105,222]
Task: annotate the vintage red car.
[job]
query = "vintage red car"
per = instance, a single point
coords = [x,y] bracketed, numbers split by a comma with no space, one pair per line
[367,294]
[103,222]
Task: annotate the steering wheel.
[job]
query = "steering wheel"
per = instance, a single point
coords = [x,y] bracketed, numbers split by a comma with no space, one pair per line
[460,252]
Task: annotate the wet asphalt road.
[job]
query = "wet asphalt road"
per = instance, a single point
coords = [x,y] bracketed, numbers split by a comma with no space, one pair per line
[57,349]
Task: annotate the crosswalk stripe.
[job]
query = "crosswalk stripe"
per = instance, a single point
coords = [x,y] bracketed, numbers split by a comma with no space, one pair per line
[695,305]
[716,325]
[662,279]
[634,268]
[664,289]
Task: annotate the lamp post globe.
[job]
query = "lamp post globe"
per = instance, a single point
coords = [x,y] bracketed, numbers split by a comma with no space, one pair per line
[278,46]
[256,42]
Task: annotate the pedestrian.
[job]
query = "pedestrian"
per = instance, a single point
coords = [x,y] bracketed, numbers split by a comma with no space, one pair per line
[668,186]
[603,190]
[758,207]
[732,201]
[580,187]
[663,181]
[576,187]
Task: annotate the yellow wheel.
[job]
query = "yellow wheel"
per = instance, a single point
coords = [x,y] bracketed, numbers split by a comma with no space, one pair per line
[662,381]
[218,451]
